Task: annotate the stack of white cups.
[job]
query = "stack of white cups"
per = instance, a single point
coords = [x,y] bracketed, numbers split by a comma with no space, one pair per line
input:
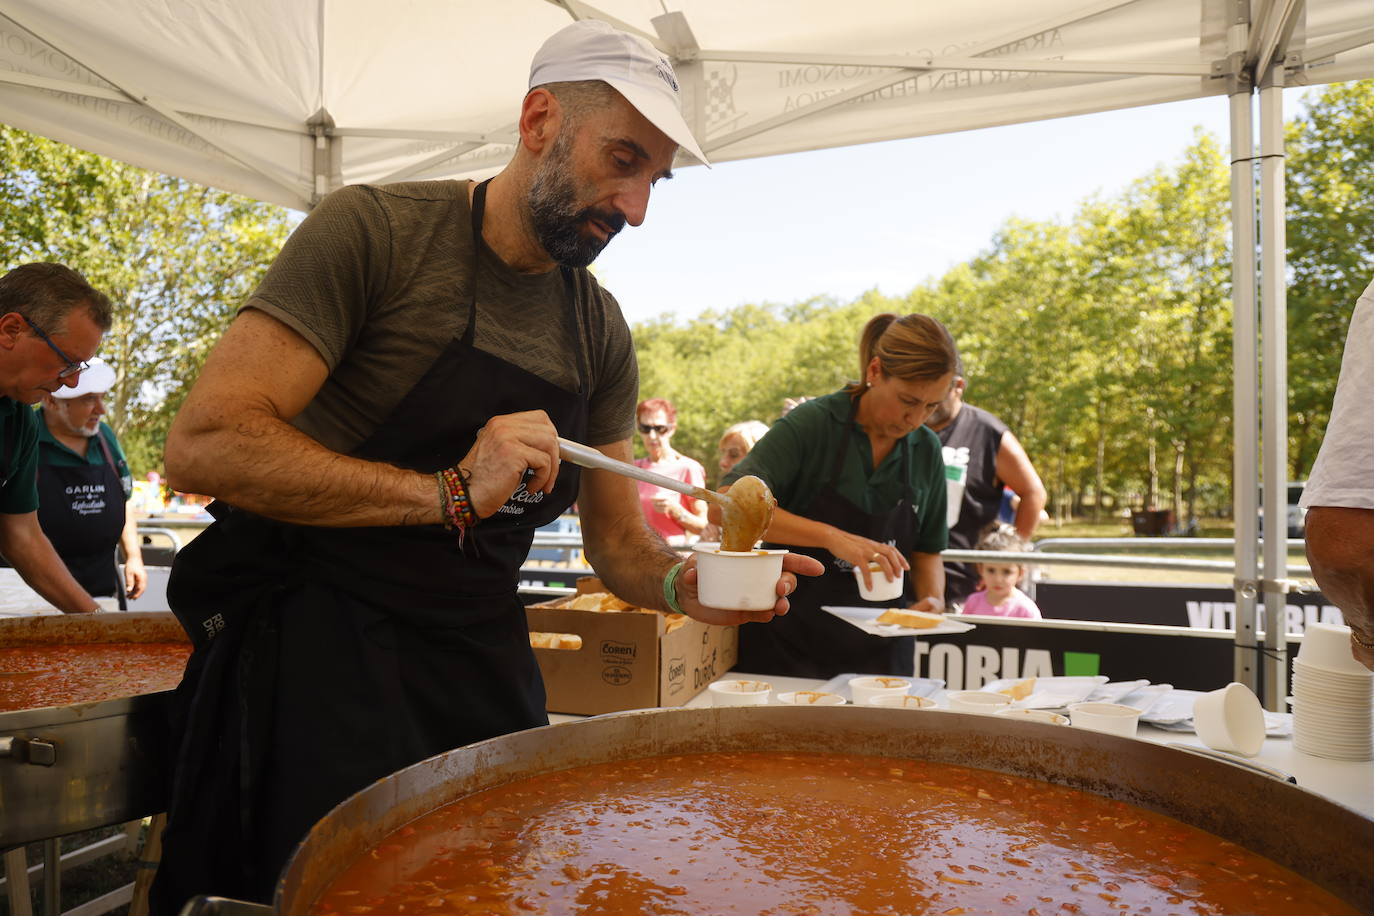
[1333,697]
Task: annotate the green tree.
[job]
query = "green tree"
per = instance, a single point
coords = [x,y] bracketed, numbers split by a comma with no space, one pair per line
[1330,171]
[176,259]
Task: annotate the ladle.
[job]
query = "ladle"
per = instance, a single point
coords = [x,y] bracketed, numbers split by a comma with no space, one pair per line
[746,509]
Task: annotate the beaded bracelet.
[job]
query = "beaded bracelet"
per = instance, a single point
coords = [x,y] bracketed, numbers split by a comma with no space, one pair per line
[670,588]
[455,504]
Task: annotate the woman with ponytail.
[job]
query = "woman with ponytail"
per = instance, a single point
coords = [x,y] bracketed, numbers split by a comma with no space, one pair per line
[860,483]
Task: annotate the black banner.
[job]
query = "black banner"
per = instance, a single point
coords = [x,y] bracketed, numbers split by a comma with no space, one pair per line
[1193,606]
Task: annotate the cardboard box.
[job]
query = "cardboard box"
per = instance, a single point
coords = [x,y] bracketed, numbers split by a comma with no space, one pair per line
[628,659]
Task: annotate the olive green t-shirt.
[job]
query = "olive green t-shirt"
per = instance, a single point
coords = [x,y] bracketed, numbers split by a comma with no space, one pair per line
[19,422]
[378,280]
[797,456]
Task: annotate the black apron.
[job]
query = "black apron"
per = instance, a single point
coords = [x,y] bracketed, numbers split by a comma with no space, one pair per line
[327,658]
[81,510]
[812,643]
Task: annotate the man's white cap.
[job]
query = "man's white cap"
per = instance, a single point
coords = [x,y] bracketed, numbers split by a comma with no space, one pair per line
[98,379]
[594,50]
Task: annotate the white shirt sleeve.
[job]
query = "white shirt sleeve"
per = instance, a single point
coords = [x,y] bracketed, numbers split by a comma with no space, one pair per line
[1343,474]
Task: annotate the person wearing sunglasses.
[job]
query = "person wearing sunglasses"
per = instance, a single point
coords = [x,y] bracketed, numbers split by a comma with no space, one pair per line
[679,518]
[51,323]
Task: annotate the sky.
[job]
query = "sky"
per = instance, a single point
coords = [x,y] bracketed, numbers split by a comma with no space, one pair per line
[882,215]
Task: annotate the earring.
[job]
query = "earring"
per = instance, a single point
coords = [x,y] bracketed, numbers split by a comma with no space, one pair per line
[868,384]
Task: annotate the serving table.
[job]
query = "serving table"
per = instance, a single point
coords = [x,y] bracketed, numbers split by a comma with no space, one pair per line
[1349,783]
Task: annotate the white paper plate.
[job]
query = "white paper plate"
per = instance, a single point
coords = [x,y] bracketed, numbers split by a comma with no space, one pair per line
[1050,692]
[1173,708]
[866,619]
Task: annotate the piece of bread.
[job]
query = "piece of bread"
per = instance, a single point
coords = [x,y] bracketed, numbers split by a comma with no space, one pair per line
[1020,690]
[598,601]
[555,640]
[916,620]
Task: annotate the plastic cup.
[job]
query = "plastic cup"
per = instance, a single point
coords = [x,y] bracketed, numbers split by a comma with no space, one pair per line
[810,698]
[1326,645]
[738,581]
[864,689]
[1230,719]
[882,589]
[1109,718]
[902,701]
[1033,715]
[739,693]
[978,702]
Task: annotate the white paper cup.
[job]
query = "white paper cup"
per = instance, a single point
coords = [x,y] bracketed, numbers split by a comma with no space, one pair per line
[739,693]
[1111,718]
[1033,715]
[810,698]
[1230,719]
[979,702]
[902,701]
[882,589]
[1326,645]
[743,581]
[864,689]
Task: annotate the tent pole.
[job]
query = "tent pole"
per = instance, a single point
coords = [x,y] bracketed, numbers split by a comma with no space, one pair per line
[1274,330]
[1245,359]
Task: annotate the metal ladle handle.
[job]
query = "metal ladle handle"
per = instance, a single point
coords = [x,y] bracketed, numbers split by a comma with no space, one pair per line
[586,457]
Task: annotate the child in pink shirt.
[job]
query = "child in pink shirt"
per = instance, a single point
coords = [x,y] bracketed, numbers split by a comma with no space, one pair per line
[997,594]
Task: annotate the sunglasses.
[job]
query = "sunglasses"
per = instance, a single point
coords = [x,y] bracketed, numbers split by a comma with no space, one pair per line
[646,428]
[73,367]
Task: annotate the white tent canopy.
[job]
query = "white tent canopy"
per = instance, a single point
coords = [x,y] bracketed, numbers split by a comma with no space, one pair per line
[283,100]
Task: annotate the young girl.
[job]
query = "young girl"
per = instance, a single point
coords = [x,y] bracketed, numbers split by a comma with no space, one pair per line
[997,593]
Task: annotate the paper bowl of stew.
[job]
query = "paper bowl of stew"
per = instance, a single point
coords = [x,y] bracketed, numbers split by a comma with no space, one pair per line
[738,580]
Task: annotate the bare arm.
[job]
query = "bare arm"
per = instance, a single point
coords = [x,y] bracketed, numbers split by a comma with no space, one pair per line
[928,580]
[232,440]
[30,552]
[633,560]
[135,576]
[1014,469]
[1340,545]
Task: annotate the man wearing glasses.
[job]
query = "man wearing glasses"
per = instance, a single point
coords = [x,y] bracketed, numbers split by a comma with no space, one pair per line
[51,322]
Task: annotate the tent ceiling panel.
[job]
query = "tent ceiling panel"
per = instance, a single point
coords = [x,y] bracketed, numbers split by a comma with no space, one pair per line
[223,92]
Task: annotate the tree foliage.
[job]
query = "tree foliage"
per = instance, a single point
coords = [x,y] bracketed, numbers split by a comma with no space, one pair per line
[176,259]
[1104,341]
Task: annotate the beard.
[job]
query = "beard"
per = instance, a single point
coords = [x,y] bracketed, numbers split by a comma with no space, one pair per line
[557,219]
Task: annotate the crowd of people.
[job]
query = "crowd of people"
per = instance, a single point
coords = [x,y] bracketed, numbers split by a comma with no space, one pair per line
[379,426]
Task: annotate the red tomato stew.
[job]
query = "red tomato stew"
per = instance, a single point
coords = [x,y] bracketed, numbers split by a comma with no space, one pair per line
[784,833]
[32,677]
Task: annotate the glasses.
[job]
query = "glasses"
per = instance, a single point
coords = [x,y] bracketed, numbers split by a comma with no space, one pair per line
[646,428]
[73,367]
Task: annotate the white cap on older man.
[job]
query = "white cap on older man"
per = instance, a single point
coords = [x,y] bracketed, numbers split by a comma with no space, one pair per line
[97,379]
[594,50]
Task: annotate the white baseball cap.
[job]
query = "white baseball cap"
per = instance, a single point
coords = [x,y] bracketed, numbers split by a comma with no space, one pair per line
[97,379]
[594,50]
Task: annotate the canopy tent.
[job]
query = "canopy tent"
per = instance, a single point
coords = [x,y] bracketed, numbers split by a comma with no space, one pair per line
[284,100]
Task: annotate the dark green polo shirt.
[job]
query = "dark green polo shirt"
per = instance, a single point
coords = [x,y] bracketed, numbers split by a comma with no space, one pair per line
[55,454]
[795,459]
[19,425]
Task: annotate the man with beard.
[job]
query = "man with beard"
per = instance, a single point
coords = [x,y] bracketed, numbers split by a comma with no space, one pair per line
[379,428]
[83,489]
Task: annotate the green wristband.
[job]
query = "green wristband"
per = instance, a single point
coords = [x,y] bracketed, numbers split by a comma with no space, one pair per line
[670,588]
